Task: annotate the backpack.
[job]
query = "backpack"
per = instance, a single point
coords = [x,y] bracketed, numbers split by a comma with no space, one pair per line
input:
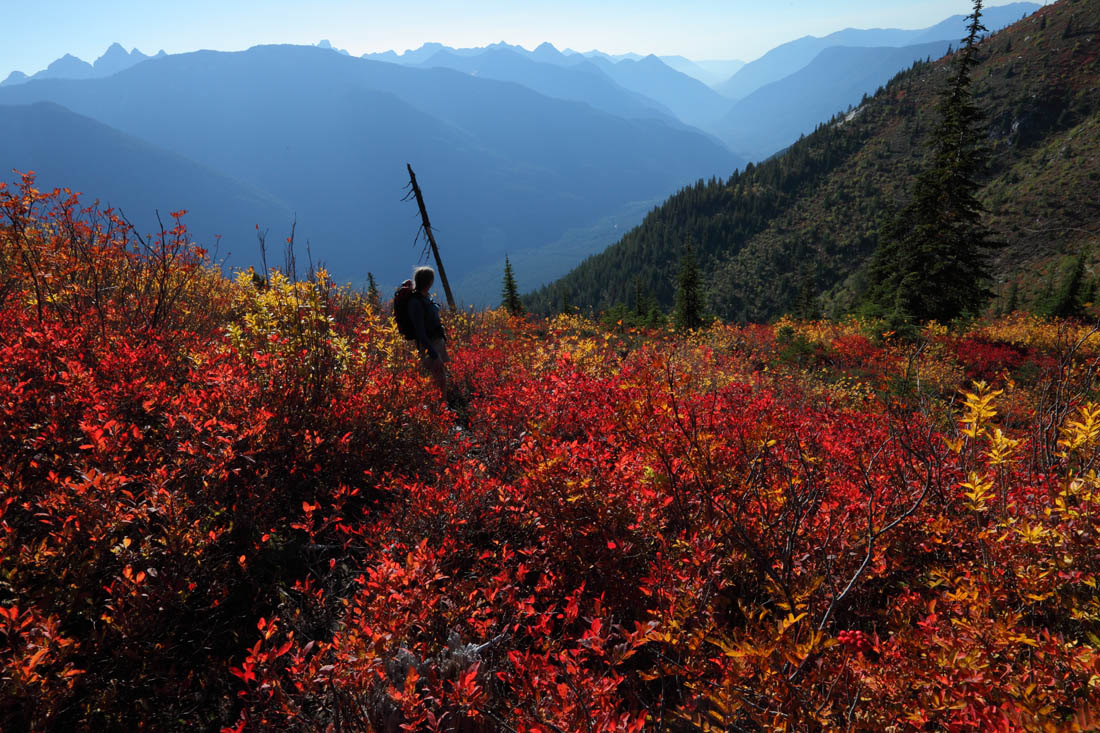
[401,310]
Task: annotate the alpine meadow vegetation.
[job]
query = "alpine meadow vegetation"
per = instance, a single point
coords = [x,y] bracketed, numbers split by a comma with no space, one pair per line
[233,503]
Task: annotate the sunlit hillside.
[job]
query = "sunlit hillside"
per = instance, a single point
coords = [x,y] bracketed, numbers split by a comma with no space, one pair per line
[808,219]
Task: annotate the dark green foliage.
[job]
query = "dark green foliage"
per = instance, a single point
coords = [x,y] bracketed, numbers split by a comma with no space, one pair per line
[655,317]
[565,304]
[932,259]
[509,294]
[806,306]
[797,350]
[373,295]
[1073,291]
[1012,300]
[617,316]
[689,300]
[620,316]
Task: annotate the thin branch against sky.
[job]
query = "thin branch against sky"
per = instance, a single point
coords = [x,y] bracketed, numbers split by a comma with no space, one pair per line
[38,33]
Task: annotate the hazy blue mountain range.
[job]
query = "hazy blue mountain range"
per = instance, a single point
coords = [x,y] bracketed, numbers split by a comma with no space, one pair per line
[690,99]
[651,83]
[411,56]
[325,44]
[417,56]
[581,82]
[114,60]
[502,166]
[788,58]
[710,72]
[795,105]
[70,150]
[784,94]
[594,53]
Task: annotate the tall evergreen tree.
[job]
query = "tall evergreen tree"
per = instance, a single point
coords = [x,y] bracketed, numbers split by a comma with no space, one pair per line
[641,302]
[1073,292]
[1012,301]
[509,294]
[688,313]
[805,304]
[372,290]
[565,305]
[932,258]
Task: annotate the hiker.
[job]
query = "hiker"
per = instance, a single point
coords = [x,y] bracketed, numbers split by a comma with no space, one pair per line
[427,328]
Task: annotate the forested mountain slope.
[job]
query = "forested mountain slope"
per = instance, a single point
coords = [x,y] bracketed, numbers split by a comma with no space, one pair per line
[806,220]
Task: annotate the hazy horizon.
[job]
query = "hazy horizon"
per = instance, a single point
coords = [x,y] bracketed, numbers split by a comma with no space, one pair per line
[698,29]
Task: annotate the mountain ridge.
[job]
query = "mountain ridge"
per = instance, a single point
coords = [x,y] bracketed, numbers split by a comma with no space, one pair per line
[804,221]
[787,58]
[113,60]
[66,149]
[796,104]
[581,82]
[498,162]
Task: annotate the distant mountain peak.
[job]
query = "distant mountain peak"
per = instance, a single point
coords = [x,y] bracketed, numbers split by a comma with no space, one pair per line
[504,45]
[326,45]
[67,61]
[68,67]
[15,77]
[115,58]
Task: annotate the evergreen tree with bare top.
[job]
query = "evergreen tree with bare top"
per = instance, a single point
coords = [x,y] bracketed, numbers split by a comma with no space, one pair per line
[932,258]
[509,294]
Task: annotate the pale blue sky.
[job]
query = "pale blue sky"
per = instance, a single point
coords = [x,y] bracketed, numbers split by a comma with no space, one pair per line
[35,33]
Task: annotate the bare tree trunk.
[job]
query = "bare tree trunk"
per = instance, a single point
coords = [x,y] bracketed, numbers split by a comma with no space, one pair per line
[431,238]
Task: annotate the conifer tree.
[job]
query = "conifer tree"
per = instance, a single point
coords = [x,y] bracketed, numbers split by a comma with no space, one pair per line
[641,302]
[1012,303]
[372,290]
[655,318]
[509,294]
[688,313]
[931,262]
[1074,291]
[805,305]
